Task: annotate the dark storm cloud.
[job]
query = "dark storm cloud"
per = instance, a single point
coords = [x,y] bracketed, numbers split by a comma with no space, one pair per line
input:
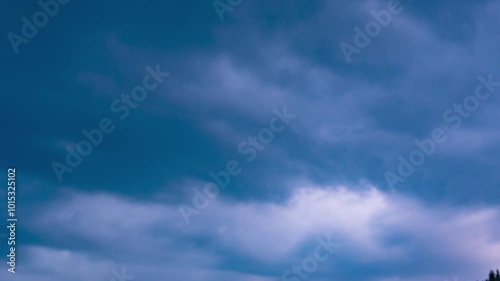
[353,120]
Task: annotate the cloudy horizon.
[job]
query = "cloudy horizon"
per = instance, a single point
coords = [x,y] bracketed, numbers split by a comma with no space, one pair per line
[252,140]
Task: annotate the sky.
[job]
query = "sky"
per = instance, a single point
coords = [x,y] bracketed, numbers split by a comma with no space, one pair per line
[251,140]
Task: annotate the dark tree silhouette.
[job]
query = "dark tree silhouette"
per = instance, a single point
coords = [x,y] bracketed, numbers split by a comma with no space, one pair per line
[492,276]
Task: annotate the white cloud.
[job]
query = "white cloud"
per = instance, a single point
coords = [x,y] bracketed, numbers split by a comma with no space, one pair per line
[363,222]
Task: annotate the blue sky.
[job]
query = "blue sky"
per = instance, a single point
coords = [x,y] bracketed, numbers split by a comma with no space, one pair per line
[324,174]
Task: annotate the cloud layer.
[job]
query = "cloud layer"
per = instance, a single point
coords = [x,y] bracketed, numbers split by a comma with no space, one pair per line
[373,229]
[323,176]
